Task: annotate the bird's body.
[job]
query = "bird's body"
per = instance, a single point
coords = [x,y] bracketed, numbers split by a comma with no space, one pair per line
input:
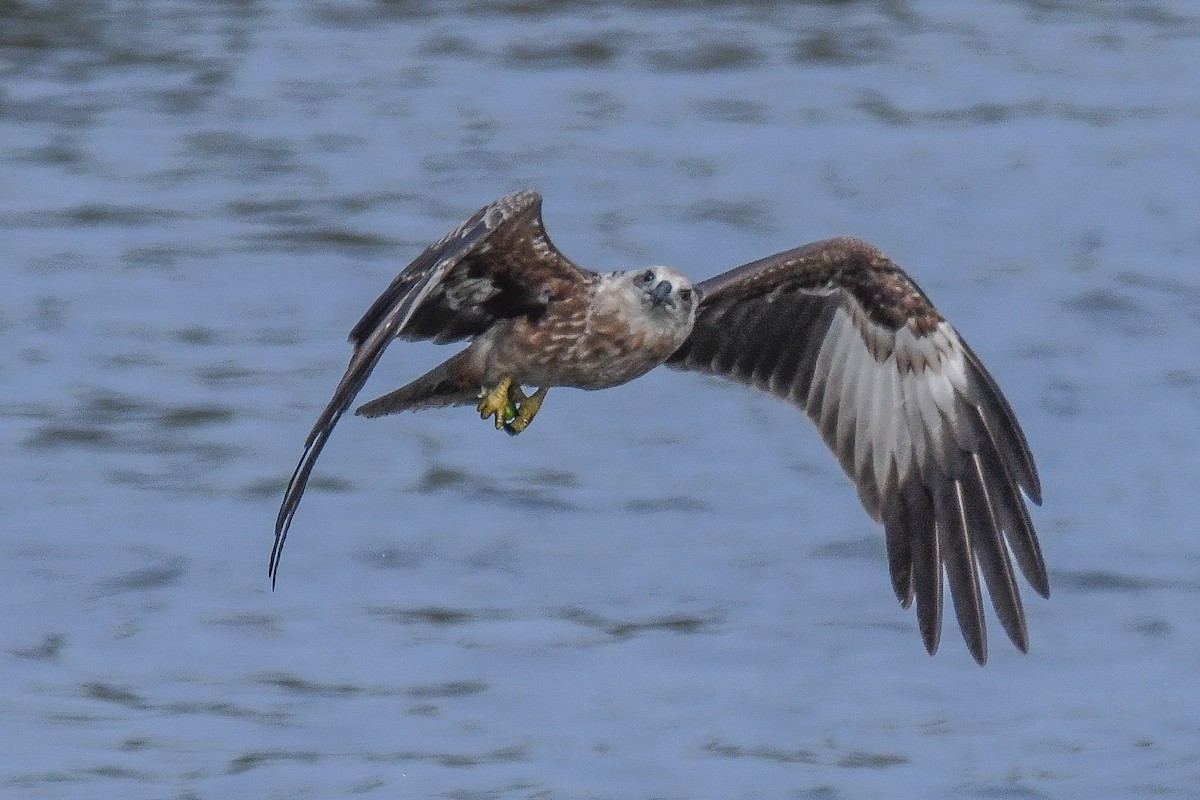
[599,332]
[834,327]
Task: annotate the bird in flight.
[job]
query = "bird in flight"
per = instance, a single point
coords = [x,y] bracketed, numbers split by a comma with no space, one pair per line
[833,327]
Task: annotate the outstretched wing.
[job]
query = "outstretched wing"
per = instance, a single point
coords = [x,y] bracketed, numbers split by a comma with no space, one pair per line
[914,418]
[497,264]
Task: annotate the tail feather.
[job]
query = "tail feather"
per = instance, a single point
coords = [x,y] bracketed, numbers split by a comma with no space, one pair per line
[451,383]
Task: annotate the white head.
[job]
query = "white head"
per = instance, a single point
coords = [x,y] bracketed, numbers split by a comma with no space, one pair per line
[663,292]
[657,304]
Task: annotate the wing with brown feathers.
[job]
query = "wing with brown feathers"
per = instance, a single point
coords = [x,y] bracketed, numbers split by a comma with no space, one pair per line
[496,265]
[912,415]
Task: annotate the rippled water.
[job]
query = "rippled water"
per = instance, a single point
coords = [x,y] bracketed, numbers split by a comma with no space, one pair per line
[664,590]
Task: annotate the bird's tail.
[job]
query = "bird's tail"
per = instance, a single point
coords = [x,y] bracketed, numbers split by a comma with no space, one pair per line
[452,383]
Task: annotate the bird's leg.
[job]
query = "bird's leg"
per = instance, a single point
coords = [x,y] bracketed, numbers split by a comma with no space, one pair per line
[526,411]
[498,402]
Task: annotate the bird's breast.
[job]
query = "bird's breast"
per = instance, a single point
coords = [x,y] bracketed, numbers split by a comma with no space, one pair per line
[581,346]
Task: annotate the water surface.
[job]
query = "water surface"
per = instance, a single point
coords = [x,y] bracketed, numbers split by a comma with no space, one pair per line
[662,590]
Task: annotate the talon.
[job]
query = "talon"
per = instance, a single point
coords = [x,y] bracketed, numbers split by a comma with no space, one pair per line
[498,403]
[516,397]
[526,411]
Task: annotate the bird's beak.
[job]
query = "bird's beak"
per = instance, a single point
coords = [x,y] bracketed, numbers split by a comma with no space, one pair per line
[660,293]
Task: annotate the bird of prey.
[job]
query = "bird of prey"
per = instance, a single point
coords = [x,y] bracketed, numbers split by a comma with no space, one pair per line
[833,327]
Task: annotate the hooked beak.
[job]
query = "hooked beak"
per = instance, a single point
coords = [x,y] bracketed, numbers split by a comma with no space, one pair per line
[660,293]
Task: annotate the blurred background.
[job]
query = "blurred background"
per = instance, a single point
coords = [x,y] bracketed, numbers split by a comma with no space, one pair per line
[664,590]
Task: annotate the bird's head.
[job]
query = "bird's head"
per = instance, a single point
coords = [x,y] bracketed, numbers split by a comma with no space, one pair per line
[664,290]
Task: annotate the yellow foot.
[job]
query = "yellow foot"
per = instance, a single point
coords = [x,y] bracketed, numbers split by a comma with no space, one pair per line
[498,402]
[526,411]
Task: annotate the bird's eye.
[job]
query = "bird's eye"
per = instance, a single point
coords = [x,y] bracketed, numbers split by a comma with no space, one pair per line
[648,276]
[685,295]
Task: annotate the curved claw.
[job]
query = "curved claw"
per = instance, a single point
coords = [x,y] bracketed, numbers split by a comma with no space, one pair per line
[498,403]
[526,411]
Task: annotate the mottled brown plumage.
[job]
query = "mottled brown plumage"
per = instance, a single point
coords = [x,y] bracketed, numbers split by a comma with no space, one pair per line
[834,327]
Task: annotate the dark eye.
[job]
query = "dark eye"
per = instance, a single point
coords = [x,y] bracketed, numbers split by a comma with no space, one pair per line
[648,276]
[685,295]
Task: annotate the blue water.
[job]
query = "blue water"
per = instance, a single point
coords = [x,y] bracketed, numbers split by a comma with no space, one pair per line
[665,590]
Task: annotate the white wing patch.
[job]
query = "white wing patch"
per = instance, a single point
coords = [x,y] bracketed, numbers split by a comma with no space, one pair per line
[469,293]
[885,400]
